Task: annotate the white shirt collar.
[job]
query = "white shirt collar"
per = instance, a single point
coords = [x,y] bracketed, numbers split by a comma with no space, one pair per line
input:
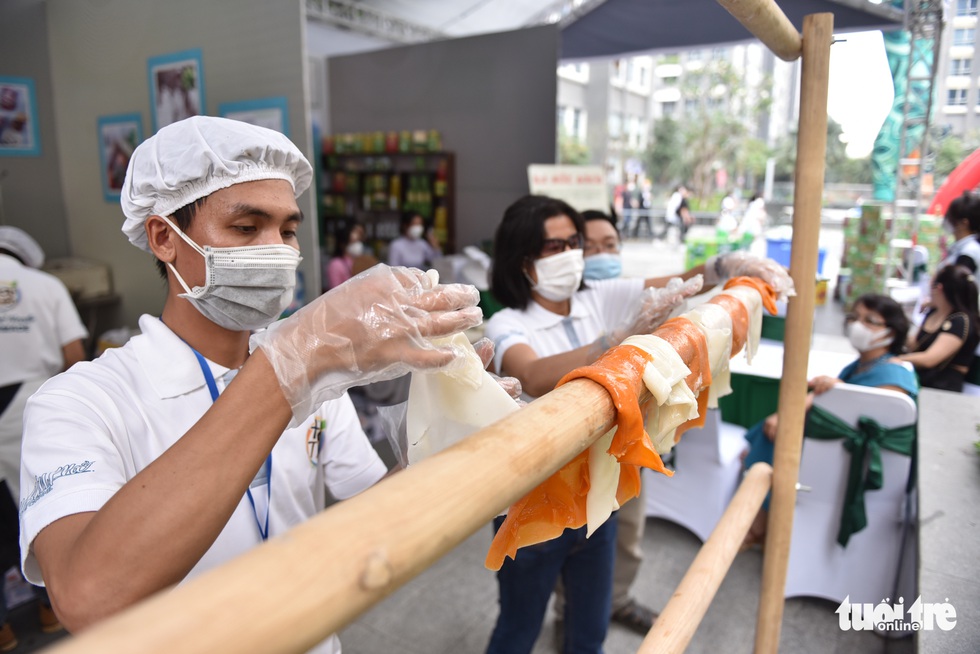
[544,318]
[168,362]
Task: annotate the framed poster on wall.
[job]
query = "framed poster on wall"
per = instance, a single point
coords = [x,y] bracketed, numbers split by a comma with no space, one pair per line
[18,118]
[118,137]
[176,87]
[264,112]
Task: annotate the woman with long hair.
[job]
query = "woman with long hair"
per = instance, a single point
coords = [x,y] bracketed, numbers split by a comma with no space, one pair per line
[943,348]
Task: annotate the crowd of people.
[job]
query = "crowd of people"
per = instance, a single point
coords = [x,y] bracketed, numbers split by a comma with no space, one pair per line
[152,423]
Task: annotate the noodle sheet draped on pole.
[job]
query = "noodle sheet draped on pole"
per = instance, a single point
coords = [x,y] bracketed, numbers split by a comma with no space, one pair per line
[679,364]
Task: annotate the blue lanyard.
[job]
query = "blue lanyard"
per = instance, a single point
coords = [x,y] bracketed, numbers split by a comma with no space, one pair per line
[213,387]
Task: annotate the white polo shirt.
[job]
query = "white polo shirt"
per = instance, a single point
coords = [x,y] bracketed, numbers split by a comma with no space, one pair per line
[966,246]
[37,318]
[90,430]
[596,310]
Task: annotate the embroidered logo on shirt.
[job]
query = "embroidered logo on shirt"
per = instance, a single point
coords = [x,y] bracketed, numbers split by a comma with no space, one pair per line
[44,484]
[9,295]
[313,435]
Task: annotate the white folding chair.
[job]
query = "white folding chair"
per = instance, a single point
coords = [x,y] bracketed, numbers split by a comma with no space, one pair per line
[707,471]
[866,569]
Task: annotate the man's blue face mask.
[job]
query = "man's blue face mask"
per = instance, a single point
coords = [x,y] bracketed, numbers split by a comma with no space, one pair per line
[603,266]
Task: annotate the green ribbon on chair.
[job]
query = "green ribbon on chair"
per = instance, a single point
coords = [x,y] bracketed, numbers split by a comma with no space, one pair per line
[865,444]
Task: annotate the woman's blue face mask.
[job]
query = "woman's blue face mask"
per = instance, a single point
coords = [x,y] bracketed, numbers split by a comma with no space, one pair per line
[603,266]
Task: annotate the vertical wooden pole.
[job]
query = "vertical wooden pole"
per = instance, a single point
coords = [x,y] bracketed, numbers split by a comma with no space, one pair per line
[810,154]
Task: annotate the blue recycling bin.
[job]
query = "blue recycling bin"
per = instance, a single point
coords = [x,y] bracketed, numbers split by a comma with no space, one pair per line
[779,250]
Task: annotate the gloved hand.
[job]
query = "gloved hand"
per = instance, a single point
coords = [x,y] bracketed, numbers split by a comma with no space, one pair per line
[512,385]
[741,263]
[374,327]
[654,308]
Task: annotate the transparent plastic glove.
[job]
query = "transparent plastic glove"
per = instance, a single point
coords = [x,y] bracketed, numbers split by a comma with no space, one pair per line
[374,327]
[654,308]
[741,263]
[512,385]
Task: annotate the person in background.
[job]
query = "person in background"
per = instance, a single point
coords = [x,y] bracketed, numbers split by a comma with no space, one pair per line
[754,219]
[552,324]
[962,222]
[877,328]
[727,217]
[350,245]
[411,249]
[40,336]
[678,212]
[184,432]
[944,346]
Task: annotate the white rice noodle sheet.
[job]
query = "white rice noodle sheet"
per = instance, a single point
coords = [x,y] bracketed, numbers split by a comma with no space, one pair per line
[447,406]
[600,501]
[716,325]
[753,304]
[674,403]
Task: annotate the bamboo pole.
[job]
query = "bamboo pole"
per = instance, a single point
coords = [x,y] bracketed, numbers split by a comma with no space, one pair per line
[769,24]
[679,620]
[811,150]
[293,591]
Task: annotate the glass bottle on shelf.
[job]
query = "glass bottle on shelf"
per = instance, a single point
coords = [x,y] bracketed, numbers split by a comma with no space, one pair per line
[441,182]
[395,192]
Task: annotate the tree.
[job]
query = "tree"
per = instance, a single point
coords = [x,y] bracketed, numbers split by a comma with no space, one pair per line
[838,166]
[571,150]
[718,108]
[664,156]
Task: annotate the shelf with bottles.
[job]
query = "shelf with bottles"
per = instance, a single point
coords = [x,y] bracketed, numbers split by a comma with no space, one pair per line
[378,190]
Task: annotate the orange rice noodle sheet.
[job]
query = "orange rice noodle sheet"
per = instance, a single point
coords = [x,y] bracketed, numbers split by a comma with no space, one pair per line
[562,500]
[766,291]
[740,319]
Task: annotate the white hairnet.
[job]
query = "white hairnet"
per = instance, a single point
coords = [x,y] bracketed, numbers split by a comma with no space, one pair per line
[20,243]
[195,157]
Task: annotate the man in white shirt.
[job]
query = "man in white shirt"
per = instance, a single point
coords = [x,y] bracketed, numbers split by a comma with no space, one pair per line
[182,449]
[40,335]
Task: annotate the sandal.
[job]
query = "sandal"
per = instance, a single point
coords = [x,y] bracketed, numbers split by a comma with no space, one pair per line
[635,616]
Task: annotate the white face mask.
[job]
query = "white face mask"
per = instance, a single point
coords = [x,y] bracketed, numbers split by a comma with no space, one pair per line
[245,288]
[355,249]
[416,231]
[559,275]
[863,338]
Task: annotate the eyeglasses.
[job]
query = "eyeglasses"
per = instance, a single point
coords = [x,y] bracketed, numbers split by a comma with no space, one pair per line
[866,319]
[552,246]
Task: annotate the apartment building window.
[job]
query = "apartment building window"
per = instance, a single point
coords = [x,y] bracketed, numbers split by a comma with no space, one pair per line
[694,55]
[690,105]
[668,109]
[578,124]
[615,125]
[956,97]
[963,36]
[959,67]
[718,54]
[966,7]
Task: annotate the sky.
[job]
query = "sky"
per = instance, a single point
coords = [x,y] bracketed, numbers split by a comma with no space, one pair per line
[860,92]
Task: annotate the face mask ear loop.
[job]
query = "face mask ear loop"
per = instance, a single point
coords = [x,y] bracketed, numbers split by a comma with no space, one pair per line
[180,279]
[187,239]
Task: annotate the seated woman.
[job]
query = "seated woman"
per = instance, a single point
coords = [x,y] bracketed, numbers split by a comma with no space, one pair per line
[944,346]
[877,328]
[340,267]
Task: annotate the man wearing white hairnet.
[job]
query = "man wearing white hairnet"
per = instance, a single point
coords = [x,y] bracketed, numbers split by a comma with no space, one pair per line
[40,335]
[180,450]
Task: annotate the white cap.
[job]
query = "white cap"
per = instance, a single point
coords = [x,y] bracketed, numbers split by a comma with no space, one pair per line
[195,157]
[20,243]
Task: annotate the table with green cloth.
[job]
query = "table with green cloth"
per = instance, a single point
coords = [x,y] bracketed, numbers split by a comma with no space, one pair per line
[755,387]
